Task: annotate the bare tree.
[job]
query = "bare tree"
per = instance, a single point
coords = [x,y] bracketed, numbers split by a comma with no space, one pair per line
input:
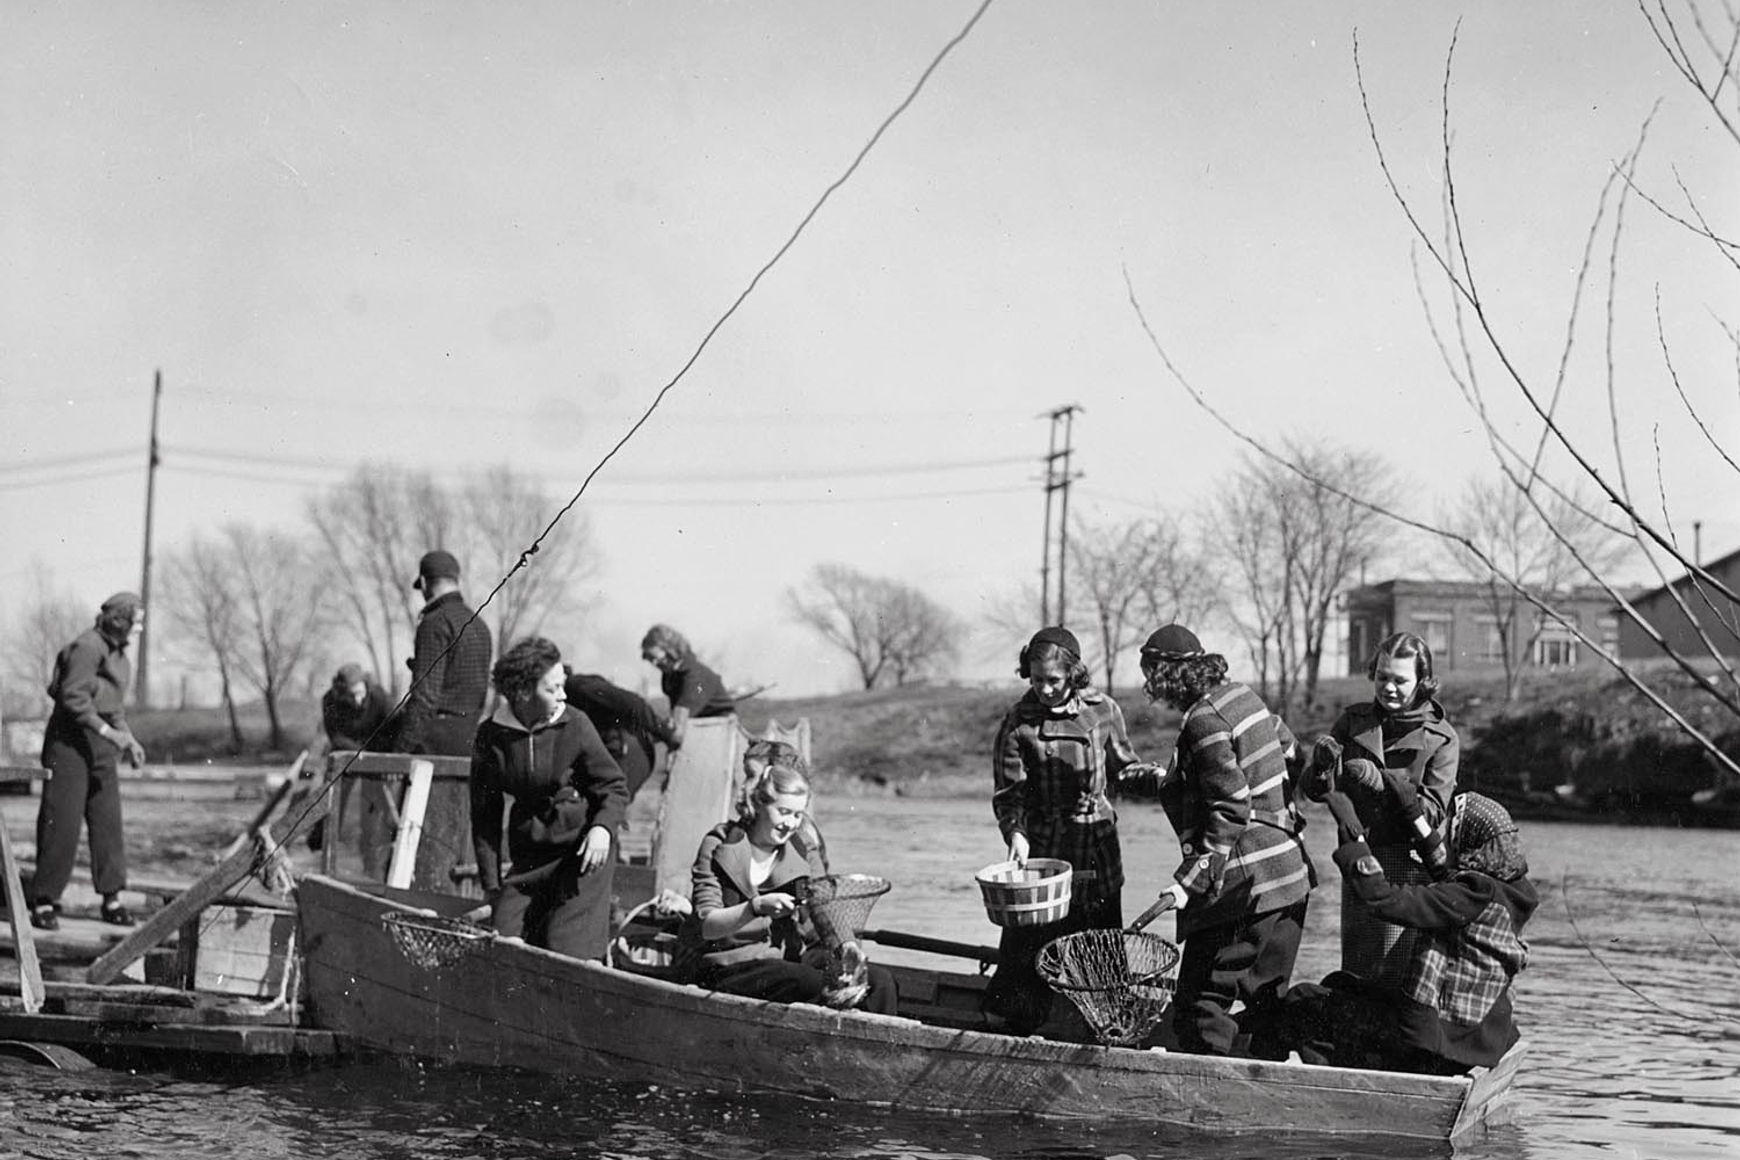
[1245,529]
[501,514]
[1130,577]
[277,611]
[199,606]
[374,527]
[886,627]
[49,617]
[1518,532]
[1702,55]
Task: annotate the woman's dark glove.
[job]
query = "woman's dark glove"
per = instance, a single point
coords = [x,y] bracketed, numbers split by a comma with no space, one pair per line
[1325,766]
[1348,827]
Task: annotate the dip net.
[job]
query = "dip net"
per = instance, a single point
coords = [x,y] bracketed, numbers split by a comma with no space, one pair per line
[839,909]
[839,905]
[430,942]
[1116,978]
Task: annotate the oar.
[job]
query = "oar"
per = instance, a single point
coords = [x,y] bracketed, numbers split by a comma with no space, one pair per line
[1161,905]
[936,946]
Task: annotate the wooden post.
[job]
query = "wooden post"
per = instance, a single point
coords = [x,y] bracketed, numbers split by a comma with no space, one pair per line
[29,969]
[403,867]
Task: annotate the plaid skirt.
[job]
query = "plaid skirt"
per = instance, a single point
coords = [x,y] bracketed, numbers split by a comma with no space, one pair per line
[1371,948]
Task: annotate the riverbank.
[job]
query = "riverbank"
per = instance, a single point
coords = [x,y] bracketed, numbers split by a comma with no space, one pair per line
[1572,746]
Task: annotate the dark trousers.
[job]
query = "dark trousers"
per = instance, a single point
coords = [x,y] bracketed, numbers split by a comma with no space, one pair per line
[1016,991]
[444,734]
[1250,959]
[84,784]
[563,910]
[783,981]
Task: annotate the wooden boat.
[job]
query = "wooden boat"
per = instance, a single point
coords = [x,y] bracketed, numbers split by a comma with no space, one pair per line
[508,1004]
[505,1004]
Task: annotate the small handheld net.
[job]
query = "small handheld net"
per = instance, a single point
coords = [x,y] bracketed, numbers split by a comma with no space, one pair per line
[839,908]
[839,905]
[1116,978]
[430,942]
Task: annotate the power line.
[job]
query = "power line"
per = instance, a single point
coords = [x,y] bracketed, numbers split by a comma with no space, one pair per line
[57,481]
[80,459]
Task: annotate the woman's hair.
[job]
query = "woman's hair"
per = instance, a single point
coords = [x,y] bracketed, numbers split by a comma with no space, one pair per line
[669,639]
[1181,683]
[1406,644]
[763,752]
[1037,656]
[785,773]
[521,667]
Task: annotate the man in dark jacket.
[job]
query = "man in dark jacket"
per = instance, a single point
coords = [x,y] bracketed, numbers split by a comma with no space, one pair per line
[353,710]
[1453,1008]
[449,666]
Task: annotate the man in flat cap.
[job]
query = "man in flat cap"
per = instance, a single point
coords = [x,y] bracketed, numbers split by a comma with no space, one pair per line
[449,665]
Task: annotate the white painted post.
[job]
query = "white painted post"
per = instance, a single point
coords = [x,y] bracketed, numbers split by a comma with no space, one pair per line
[410,832]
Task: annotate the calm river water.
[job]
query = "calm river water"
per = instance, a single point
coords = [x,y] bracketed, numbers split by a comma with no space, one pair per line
[1631,1003]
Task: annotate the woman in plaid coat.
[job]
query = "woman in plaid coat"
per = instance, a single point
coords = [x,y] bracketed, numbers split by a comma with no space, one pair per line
[1056,751]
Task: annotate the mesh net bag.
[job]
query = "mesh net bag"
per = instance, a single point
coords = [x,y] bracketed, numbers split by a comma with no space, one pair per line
[1116,978]
[430,942]
[839,905]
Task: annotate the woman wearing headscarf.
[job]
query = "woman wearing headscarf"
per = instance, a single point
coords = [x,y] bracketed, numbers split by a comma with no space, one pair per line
[86,737]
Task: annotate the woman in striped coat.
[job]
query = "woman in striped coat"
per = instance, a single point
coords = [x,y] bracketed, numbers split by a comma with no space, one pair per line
[1244,881]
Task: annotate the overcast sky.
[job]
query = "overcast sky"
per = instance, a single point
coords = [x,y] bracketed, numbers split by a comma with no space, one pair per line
[451,235]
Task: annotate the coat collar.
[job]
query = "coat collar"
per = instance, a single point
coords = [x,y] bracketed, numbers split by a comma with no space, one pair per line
[504,717]
[733,856]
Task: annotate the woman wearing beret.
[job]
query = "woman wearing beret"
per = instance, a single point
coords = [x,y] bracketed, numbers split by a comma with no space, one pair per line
[1056,750]
[87,735]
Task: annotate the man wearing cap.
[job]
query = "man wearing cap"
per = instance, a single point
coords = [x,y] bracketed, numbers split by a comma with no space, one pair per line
[449,665]
[1243,884]
[353,710]
[86,736]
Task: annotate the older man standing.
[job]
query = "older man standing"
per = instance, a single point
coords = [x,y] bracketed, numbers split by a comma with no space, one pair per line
[449,666]
[87,734]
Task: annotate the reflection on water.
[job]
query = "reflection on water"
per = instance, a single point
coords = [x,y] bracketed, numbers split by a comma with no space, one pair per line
[1631,1005]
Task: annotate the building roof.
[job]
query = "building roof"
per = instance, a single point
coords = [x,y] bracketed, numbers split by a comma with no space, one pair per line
[1717,565]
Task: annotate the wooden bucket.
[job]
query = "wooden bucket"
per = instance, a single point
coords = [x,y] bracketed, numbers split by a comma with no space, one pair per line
[1030,895]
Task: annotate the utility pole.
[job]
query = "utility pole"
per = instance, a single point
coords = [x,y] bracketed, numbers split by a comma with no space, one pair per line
[1058,476]
[142,694]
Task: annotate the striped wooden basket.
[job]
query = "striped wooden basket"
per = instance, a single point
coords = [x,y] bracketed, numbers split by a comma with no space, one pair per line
[1030,895]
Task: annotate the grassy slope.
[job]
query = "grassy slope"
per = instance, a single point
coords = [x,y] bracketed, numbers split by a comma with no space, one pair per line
[1590,730]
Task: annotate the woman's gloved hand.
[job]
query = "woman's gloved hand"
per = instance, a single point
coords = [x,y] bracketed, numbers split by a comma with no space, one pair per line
[1348,827]
[1363,773]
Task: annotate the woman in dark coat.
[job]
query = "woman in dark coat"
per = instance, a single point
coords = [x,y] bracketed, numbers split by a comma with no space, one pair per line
[569,798]
[691,688]
[748,882]
[87,734]
[631,729]
[1399,746]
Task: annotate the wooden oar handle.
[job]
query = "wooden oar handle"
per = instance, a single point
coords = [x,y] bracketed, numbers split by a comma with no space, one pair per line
[1161,905]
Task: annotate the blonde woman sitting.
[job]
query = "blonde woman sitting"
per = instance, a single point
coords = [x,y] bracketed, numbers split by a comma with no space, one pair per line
[748,881]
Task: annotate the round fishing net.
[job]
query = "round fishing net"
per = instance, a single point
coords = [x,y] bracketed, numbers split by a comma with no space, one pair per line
[839,909]
[839,905]
[430,942]
[1116,978]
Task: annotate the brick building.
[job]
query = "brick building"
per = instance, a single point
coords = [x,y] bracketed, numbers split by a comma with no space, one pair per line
[1459,621]
[1715,614]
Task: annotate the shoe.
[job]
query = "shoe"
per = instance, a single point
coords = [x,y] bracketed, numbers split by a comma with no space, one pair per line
[43,916]
[116,914]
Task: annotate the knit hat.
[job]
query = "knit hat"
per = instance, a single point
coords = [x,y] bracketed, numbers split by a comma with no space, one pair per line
[123,602]
[348,675]
[1484,838]
[1058,635]
[437,565]
[1172,643]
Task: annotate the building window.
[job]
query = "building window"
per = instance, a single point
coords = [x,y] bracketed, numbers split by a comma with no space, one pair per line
[1607,629]
[1556,645]
[1434,629]
[1491,640]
